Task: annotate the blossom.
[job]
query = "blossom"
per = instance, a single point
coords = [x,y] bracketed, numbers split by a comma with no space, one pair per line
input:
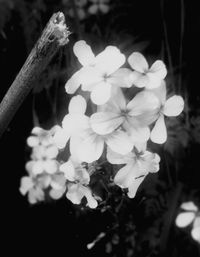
[28,186]
[99,5]
[43,160]
[143,76]
[88,146]
[79,179]
[41,136]
[73,122]
[138,165]
[134,117]
[99,73]
[80,8]
[191,215]
[170,107]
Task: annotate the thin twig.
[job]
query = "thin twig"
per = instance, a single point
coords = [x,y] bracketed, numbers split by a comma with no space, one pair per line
[54,36]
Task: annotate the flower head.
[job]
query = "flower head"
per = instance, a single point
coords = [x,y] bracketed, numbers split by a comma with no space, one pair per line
[138,165]
[143,76]
[99,6]
[79,179]
[190,216]
[134,117]
[99,73]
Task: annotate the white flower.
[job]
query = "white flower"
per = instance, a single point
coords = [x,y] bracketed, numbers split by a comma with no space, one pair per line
[89,146]
[41,136]
[171,107]
[73,122]
[58,186]
[99,73]
[190,216]
[34,191]
[43,160]
[79,178]
[138,165]
[143,76]
[99,5]
[134,117]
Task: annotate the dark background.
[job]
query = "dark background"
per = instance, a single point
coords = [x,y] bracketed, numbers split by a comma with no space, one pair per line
[57,226]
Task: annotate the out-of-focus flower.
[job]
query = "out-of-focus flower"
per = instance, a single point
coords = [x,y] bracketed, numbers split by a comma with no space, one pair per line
[73,122]
[138,165]
[170,107]
[79,8]
[79,179]
[43,160]
[41,136]
[143,76]
[29,186]
[134,117]
[99,73]
[190,216]
[99,6]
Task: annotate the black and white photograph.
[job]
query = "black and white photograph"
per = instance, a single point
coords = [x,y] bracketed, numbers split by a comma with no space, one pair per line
[100,128]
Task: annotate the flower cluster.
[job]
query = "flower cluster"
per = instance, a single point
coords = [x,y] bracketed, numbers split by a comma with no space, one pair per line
[118,129]
[48,175]
[190,215]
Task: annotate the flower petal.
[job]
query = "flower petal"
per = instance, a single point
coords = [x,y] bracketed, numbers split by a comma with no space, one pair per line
[84,53]
[50,166]
[121,78]
[26,184]
[116,103]
[196,234]
[184,219]
[144,101]
[159,132]
[138,62]
[159,69]
[57,193]
[104,8]
[90,147]
[133,187]
[105,122]
[189,206]
[77,105]
[119,142]
[68,169]
[139,80]
[61,138]
[124,176]
[74,82]
[91,201]
[74,193]
[116,158]
[173,106]
[101,93]
[33,141]
[109,60]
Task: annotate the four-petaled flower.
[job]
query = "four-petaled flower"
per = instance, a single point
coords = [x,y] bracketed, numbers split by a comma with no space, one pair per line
[191,215]
[138,165]
[99,6]
[143,76]
[171,107]
[79,179]
[99,73]
[133,117]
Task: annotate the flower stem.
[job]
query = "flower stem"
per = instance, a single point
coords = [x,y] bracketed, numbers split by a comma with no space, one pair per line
[54,36]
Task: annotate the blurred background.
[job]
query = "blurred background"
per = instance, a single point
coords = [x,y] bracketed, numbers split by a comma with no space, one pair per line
[143,226]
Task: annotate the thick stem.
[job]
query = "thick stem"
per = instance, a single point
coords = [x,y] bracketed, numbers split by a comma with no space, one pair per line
[54,36]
